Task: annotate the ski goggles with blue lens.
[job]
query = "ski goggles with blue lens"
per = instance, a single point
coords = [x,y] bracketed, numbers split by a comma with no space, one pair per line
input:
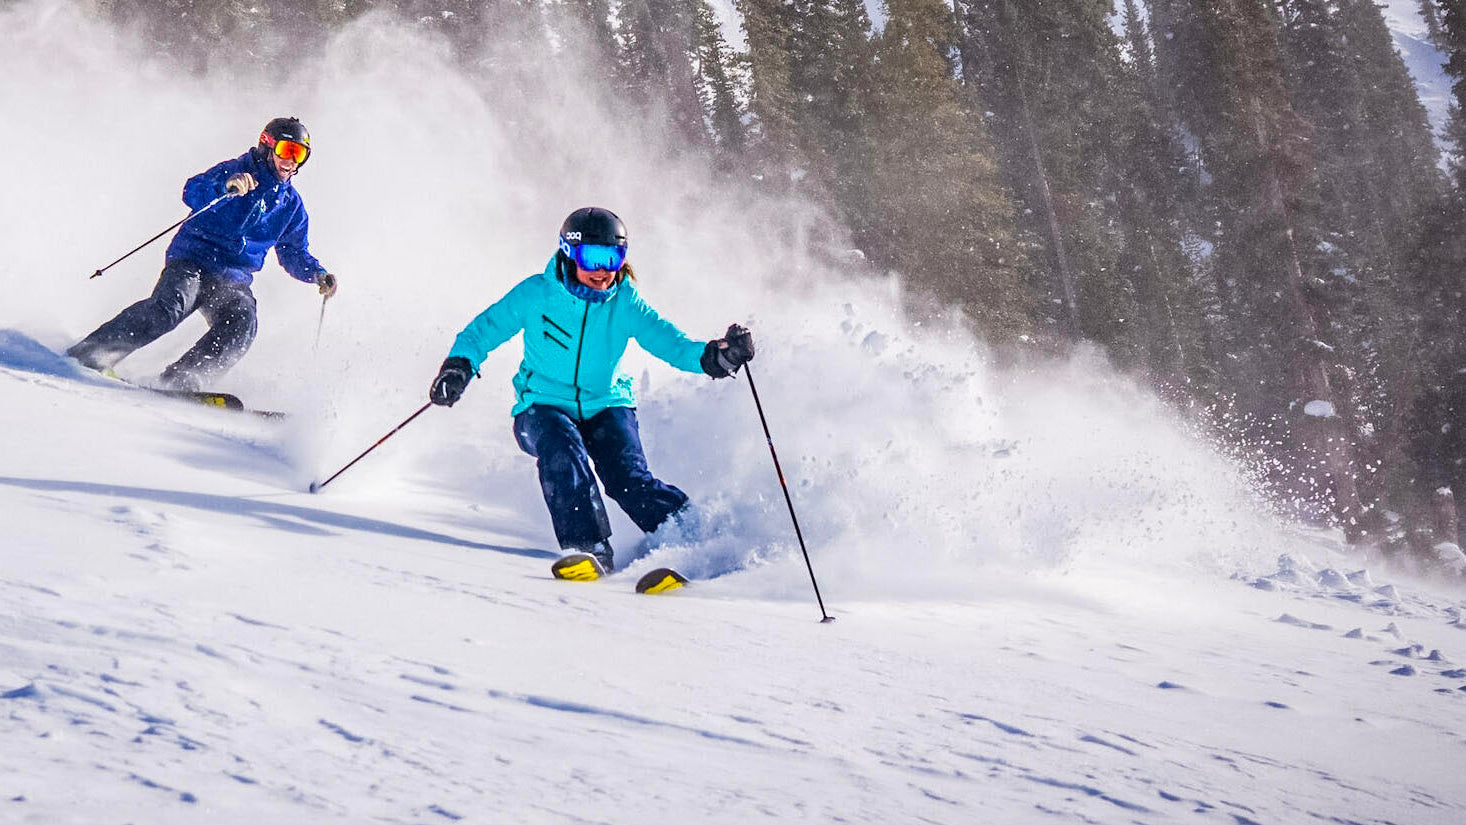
[595,256]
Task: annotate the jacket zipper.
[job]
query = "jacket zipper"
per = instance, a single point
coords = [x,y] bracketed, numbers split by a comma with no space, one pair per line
[579,346]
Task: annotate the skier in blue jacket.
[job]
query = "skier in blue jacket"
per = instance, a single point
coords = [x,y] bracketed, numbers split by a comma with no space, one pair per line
[212,260]
[574,405]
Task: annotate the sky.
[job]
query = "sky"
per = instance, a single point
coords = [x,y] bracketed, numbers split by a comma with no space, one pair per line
[1055,601]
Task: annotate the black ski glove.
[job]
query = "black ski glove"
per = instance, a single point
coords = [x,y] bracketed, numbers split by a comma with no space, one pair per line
[452,378]
[723,356]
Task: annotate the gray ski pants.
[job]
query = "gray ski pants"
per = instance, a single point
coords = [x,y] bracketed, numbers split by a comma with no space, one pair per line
[227,305]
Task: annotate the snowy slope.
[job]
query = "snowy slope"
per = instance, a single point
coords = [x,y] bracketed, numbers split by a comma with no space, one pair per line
[186,637]
[1053,603]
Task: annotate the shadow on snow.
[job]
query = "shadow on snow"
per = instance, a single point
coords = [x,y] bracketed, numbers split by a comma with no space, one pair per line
[306,520]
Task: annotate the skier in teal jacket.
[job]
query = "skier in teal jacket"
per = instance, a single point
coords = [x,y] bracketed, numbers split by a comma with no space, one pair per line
[574,405]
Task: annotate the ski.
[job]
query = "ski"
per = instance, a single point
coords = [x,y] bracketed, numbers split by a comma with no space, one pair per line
[660,580]
[219,400]
[223,400]
[37,358]
[583,567]
[209,398]
[577,567]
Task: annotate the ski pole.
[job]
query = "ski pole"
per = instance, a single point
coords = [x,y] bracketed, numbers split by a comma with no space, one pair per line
[315,488]
[787,500]
[320,323]
[199,211]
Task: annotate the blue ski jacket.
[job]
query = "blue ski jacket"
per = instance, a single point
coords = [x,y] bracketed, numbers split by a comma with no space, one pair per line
[232,238]
[573,347]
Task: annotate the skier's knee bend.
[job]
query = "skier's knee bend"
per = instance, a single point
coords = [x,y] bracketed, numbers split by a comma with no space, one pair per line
[170,308]
[177,292]
[246,325]
[634,480]
[561,462]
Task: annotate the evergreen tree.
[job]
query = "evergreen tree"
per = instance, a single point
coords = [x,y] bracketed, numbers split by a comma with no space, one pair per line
[830,58]
[1154,185]
[1234,205]
[714,74]
[998,61]
[1081,136]
[768,26]
[1453,29]
[1137,39]
[587,25]
[463,22]
[1253,146]
[1374,180]
[1431,14]
[659,42]
[1436,439]
[1435,427]
[190,31]
[936,210]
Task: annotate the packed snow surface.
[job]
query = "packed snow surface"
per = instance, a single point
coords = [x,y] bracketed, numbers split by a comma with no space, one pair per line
[1054,603]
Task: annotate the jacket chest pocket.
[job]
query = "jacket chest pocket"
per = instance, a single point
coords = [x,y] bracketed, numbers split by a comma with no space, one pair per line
[556,333]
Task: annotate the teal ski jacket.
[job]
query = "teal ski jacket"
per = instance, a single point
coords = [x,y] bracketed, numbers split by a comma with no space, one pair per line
[573,347]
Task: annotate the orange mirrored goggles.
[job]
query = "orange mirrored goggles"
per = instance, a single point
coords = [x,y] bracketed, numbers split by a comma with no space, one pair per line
[287,149]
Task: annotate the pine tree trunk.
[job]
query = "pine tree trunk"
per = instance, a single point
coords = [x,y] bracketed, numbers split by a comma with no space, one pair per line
[1056,236]
[1178,373]
[1446,524]
[1327,438]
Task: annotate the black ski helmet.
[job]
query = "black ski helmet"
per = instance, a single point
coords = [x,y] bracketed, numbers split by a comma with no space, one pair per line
[284,128]
[592,224]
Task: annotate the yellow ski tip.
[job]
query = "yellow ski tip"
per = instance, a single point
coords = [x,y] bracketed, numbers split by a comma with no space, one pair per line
[660,581]
[577,567]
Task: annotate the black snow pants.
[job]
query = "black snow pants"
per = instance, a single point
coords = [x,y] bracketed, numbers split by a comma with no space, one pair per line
[565,450]
[227,305]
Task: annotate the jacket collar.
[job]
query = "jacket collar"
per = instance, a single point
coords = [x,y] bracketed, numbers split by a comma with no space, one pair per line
[263,169]
[568,283]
